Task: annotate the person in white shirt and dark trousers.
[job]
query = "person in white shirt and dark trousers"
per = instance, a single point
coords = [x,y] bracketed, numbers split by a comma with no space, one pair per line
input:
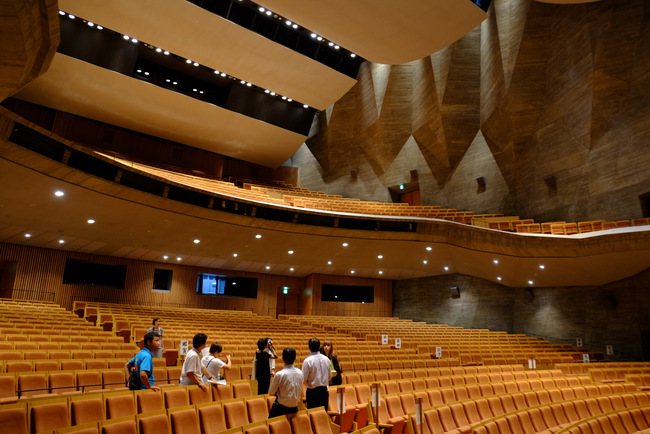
[317,373]
[286,386]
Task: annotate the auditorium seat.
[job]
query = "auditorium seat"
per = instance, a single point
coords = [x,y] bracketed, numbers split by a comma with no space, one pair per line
[148,401]
[235,413]
[300,423]
[184,421]
[119,406]
[122,425]
[84,409]
[176,397]
[32,385]
[62,382]
[211,418]
[257,409]
[49,416]
[278,425]
[13,419]
[154,424]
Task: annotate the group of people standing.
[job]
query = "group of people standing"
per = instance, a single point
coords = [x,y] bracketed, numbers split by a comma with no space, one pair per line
[320,369]
[201,366]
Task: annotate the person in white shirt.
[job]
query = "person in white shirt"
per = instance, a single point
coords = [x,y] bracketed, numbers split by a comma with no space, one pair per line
[286,386]
[213,364]
[192,372]
[317,373]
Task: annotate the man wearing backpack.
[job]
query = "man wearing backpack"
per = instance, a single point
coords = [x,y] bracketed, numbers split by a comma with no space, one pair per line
[143,363]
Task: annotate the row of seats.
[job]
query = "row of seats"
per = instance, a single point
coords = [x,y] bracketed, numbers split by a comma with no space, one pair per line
[501,414]
[67,354]
[632,420]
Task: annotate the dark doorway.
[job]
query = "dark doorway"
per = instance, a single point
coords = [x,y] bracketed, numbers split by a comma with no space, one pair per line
[7,278]
[645,204]
[645,342]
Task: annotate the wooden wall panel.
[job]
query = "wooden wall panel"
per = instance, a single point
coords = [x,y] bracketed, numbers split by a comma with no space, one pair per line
[39,273]
[553,90]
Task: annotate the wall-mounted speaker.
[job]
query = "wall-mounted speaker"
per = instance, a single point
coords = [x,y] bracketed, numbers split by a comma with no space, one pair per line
[481,181]
[550,181]
[414,175]
[455,292]
[354,173]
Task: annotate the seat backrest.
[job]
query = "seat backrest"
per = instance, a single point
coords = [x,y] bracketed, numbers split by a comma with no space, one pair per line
[148,401]
[87,410]
[199,396]
[113,379]
[121,427]
[175,398]
[256,429]
[320,422]
[120,406]
[14,420]
[242,390]
[26,382]
[279,425]
[47,417]
[257,409]
[157,424]
[235,412]
[212,419]
[7,386]
[90,381]
[184,422]
[300,423]
[62,382]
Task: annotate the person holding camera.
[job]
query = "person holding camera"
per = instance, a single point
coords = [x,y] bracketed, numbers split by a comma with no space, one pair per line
[264,356]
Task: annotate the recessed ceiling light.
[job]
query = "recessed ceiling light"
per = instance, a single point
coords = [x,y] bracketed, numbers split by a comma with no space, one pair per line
[313,35]
[380,256]
[258,236]
[353,55]
[195,63]
[135,41]
[344,244]
[61,13]
[28,235]
[235,255]
[99,28]
[425,262]
[288,22]
[530,282]
[542,266]
[90,24]
[59,193]
[499,278]
[268,267]
[261,9]
[72,17]
[178,258]
[165,257]
[496,261]
[188,61]
[126,37]
[351,271]
[429,248]
[158,50]
[290,252]
[61,241]
[329,262]
[291,269]
[268,13]
[446,268]
[166,53]
[197,241]
[305,106]
[90,221]
[381,272]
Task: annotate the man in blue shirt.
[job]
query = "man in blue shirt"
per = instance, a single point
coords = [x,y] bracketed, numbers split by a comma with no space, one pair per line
[143,361]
